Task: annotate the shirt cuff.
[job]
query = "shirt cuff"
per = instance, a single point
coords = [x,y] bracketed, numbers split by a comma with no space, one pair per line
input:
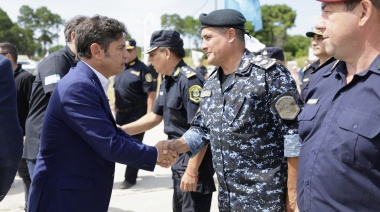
[158,154]
[194,141]
[292,145]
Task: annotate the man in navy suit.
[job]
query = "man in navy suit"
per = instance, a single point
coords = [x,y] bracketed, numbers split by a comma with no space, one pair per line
[10,130]
[80,141]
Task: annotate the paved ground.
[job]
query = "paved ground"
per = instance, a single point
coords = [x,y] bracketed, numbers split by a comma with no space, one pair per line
[153,191]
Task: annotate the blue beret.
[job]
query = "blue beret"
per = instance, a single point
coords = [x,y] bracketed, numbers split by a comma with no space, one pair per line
[223,18]
[164,38]
[273,52]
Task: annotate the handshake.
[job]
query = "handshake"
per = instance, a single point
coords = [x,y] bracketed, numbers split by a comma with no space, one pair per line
[168,151]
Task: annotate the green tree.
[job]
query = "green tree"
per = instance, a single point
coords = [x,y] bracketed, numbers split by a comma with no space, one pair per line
[298,45]
[277,19]
[172,22]
[21,38]
[43,23]
[187,27]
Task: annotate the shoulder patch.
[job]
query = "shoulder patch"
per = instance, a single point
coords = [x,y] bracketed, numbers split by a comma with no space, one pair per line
[148,77]
[195,93]
[286,107]
[263,62]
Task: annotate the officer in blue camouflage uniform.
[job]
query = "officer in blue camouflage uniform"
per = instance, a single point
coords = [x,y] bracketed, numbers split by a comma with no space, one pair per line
[248,113]
[177,104]
[135,93]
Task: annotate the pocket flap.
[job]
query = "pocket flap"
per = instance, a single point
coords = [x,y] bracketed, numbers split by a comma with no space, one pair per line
[175,103]
[308,112]
[362,124]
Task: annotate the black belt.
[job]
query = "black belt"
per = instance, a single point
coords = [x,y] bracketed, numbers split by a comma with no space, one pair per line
[129,109]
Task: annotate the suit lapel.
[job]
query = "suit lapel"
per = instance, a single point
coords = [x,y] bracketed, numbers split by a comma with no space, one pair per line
[95,80]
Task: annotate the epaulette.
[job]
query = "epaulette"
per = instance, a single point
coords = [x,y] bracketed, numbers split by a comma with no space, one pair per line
[263,62]
[188,72]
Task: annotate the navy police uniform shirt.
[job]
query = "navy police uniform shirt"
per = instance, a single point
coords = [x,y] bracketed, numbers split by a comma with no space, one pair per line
[131,91]
[308,73]
[178,102]
[339,164]
[50,71]
[132,87]
[178,99]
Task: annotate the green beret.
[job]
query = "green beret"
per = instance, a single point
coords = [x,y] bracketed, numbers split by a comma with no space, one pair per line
[223,18]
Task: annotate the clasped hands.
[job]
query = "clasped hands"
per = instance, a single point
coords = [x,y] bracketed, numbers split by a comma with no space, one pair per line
[167,153]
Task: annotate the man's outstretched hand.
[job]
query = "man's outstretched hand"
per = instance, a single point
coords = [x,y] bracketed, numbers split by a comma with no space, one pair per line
[167,154]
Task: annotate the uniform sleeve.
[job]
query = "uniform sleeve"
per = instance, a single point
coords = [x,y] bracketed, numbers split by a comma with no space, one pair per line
[285,105]
[27,86]
[197,136]
[149,79]
[52,71]
[191,97]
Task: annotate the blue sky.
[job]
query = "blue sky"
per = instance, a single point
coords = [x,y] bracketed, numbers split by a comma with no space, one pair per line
[134,12]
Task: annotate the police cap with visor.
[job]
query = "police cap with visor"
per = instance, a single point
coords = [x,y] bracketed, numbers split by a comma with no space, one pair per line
[164,38]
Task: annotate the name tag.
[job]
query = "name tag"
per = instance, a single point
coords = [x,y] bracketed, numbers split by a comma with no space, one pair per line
[306,80]
[312,101]
[135,73]
[205,93]
[52,79]
[161,93]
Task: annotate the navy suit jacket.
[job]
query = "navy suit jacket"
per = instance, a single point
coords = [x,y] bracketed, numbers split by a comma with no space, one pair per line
[10,130]
[80,144]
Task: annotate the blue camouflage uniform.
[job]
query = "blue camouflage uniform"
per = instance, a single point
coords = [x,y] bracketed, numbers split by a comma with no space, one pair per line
[250,122]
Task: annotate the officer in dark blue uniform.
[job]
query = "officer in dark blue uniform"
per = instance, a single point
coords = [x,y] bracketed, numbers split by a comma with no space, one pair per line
[177,103]
[323,60]
[135,93]
[50,71]
[339,164]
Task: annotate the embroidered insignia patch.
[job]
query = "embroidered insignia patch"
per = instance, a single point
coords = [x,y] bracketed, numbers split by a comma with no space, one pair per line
[148,77]
[195,93]
[287,107]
